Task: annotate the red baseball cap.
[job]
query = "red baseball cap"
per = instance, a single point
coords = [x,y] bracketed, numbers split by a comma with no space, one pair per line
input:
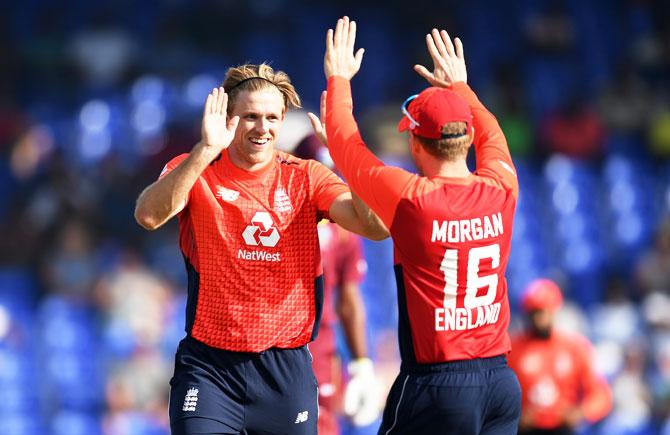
[431,110]
[541,294]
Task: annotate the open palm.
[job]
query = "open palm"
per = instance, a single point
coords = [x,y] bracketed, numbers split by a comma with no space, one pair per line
[448,60]
[217,130]
[340,59]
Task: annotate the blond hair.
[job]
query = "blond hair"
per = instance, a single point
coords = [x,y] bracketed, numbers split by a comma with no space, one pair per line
[450,148]
[241,78]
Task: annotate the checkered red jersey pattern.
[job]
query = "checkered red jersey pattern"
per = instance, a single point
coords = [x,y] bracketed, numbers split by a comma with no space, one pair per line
[251,238]
[451,236]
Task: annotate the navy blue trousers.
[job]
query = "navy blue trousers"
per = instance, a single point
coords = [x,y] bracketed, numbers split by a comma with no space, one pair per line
[215,391]
[474,397]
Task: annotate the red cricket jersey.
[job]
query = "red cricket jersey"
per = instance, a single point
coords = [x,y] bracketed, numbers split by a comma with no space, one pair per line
[451,236]
[557,374]
[250,244]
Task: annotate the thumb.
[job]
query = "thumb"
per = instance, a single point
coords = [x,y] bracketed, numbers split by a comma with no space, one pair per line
[232,123]
[423,72]
[359,57]
[315,121]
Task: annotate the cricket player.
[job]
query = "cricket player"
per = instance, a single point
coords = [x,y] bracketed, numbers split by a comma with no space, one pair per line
[451,231]
[560,386]
[248,232]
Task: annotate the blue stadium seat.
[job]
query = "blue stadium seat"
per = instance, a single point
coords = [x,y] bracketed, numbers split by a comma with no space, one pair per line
[21,424]
[75,423]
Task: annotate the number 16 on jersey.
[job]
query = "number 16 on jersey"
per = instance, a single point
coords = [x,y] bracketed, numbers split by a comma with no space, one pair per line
[478,309]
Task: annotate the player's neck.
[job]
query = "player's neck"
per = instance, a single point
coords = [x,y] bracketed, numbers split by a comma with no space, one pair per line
[249,163]
[442,168]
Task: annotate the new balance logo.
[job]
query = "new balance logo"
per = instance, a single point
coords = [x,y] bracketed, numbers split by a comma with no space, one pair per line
[190,400]
[228,195]
[302,417]
[261,231]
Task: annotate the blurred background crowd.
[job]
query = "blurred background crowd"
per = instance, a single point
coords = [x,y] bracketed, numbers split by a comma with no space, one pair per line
[95,97]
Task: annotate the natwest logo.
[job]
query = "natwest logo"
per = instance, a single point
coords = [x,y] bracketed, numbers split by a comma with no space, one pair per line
[261,231]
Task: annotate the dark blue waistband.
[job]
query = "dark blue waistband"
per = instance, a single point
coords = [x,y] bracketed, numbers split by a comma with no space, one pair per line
[466,365]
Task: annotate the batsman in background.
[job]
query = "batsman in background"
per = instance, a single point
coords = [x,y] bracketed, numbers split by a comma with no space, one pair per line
[451,231]
[343,270]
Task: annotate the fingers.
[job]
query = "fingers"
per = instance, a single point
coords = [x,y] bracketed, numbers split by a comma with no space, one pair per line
[315,121]
[217,102]
[423,72]
[329,41]
[351,37]
[322,105]
[208,104]
[359,57]
[432,48]
[459,48]
[318,128]
[232,123]
[447,42]
[439,43]
[339,32]
[223,101]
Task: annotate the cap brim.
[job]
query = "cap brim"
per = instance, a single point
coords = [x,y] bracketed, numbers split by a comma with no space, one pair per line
[403,124]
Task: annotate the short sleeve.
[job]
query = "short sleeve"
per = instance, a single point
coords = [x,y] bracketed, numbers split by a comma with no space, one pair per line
[169,166]
[326,186]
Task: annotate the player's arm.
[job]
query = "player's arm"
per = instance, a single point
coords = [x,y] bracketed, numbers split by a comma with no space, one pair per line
[597,396]
[380,187]
[362,393]
[349,304]
[449,71]
[351,312]
[169,195]
[368,218]
[352,214]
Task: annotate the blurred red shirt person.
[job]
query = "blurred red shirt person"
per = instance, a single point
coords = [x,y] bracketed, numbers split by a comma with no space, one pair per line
[560,386]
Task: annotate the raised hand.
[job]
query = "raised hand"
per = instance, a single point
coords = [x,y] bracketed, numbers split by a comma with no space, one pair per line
[448,60]
[319,125]
[217,130]
[340,59]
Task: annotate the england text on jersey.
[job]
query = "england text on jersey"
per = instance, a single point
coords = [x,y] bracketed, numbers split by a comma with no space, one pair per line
[461,319]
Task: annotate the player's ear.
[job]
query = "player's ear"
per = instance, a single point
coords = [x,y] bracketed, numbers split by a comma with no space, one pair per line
[414,144]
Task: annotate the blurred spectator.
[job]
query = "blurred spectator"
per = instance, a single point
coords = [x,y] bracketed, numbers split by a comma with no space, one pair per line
[575,130]
[616,318]
[632,398]
[512,112]
[551,30]
[71,267]
[653,268]
[103,53]
[659,132]
[561,388]
[135,304]
[137,395]
[31,151]
[624,103]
